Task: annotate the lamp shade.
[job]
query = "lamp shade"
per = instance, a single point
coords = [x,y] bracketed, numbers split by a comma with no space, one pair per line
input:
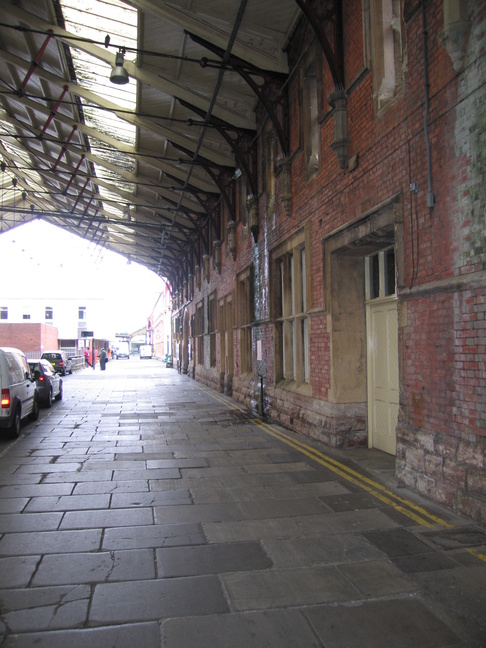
[118,74]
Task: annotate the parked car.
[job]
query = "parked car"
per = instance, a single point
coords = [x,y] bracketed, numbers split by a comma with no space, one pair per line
[145,351]
[49,383]
[19,395]
[59,360]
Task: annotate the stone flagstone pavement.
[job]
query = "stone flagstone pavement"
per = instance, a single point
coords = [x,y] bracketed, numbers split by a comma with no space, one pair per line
[146,510]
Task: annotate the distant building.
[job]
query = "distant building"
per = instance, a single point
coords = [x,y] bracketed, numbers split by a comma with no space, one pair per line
[68,317]
[30,337]
[158,332]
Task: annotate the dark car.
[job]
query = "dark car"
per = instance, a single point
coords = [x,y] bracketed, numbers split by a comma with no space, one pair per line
[49,383]
[59,360]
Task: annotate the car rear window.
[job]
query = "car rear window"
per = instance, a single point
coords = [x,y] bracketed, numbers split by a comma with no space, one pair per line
[51,356]
[47,368]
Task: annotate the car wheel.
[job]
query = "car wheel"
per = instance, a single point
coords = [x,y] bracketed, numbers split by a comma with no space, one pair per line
[49,398]
[64,372]
[15,427]
[59,396]
[34,415]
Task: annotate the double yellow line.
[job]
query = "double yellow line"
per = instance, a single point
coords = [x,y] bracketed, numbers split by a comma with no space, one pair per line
[417,513]
[385,495]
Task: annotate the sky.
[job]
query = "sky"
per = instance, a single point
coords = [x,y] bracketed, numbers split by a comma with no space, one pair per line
[42,259]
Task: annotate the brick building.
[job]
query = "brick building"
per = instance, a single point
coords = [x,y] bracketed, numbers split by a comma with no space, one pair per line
[345,277]
[32,338]
[309,177]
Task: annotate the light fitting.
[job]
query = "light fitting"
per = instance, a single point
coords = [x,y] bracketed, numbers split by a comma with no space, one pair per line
[118,73]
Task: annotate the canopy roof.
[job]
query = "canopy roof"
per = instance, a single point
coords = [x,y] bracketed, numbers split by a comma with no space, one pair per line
[137,168]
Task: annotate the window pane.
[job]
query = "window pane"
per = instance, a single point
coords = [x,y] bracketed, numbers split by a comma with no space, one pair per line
[304,281]
[291,284]
[280,300]
[374,277]
[305,349]
[311,118]
[389,260]
[294,348]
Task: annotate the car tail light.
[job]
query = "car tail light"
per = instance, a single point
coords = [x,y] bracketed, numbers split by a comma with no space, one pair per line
[41,378]
[5,398]
[61,362]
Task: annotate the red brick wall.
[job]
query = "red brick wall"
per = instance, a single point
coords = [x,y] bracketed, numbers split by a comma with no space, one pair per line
[441,274]
[29,338]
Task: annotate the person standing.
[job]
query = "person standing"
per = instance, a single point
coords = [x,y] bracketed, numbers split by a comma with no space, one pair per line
[103,359]
[87,363]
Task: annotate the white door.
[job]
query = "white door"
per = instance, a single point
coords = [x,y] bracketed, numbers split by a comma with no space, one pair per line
[383,381]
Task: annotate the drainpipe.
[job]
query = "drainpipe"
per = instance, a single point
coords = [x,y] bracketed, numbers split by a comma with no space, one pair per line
[430,193]
[262,412]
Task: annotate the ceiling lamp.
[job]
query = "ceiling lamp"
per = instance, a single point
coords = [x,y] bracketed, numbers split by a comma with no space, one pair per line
[118,73]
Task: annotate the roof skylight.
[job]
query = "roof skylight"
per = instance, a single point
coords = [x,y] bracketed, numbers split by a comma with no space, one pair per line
[95,19]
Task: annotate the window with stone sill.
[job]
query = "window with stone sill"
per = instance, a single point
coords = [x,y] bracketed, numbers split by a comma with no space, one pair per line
[225,326]
[311,84]
[199,332]
[245,318]
[82,313]
[269,170]
[291,319]
[212,325]
[384,48]
[3,312]
[49,313]
[242,199]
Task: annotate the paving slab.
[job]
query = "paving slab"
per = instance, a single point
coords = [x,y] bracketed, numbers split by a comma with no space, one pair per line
[212,559]
[96,567]
[145,509]
[155,535]
[49,608]
[398,623]
[11,523]
[320,550]
[116,636]
[279,628]
[288,588]
[44,542]
[17,572]
[157,599]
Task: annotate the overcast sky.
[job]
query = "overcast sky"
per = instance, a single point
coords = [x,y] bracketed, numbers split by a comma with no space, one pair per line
[44,260]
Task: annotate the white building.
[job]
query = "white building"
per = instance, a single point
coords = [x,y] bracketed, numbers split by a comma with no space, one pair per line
[70,315]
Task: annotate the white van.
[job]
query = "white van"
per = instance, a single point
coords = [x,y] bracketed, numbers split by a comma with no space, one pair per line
[19,396]
[145,351]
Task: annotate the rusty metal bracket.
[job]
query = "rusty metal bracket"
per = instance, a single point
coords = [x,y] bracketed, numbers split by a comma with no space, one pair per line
[269,90]
[240,141]
[220,175]
[325,17]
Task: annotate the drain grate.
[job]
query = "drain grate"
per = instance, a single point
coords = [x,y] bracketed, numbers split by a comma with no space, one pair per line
[456,538]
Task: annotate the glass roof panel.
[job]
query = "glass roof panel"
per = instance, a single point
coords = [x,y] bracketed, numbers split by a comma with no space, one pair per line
[96,19]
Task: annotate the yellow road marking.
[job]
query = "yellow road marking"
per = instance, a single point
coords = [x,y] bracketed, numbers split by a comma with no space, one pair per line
[477,553]
[405,506]
[401,504]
